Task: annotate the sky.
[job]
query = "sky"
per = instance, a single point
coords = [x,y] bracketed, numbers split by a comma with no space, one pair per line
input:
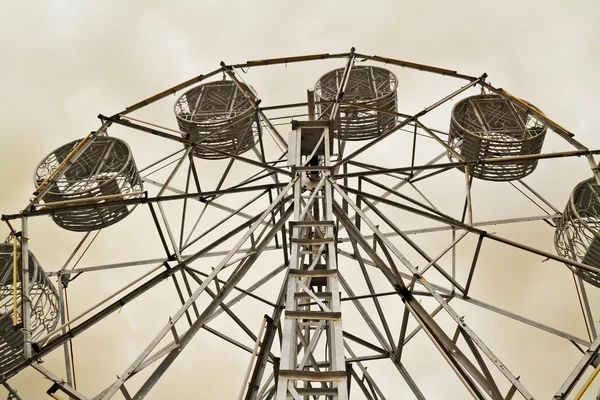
[65,62]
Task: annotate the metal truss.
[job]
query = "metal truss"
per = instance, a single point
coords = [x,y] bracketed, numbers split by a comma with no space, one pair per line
[310,230]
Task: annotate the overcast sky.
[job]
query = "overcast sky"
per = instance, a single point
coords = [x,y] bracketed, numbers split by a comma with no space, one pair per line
[64,62]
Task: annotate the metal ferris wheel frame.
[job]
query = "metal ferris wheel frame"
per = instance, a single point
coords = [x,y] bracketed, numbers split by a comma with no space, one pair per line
[304,219]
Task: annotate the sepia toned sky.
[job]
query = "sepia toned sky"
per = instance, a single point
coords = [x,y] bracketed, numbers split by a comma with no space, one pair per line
[65,62]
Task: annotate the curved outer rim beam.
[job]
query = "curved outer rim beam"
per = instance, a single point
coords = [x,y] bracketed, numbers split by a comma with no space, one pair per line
[562,132]
[568,135]
[420,67]
[63,167]
[169,92]
[255,104]
[289,60]
[383,60]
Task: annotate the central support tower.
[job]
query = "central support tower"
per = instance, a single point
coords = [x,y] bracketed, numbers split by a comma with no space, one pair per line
[312,354]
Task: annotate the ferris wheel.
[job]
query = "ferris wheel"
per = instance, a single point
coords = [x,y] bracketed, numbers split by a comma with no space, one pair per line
[332,236]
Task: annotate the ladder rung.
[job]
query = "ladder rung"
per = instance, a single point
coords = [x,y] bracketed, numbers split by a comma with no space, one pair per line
[317,392]
[319,295]
[313,168]
[312,252]
[314,241]
[316,315]
[313,273]
[312,223]
[313,376]
[317,266]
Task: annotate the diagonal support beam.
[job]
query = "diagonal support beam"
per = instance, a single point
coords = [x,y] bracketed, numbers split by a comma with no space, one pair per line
[450,351]
[179,138]
[432,262]
[410,120]
[230,285]
[63,386]
[416,308]
[496,395]
[587,359]
[267,344]
[12,394]
[238,275]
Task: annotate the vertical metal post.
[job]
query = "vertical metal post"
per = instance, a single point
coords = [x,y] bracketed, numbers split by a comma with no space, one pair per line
[414,150]
[273,325]
[310,93]
[453,237]
[473,264]
[15,280]
[25,300]
[469,201]
[63,320]
[588,310]
[594,167]
[254,351]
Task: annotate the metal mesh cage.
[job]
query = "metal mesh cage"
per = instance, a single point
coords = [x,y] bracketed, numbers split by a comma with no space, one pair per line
[44,306]
[368,86]
[105,168]
[577,235]
[490,126]
[217,116]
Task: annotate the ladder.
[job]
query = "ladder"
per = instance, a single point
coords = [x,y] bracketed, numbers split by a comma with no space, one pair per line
[312,355]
